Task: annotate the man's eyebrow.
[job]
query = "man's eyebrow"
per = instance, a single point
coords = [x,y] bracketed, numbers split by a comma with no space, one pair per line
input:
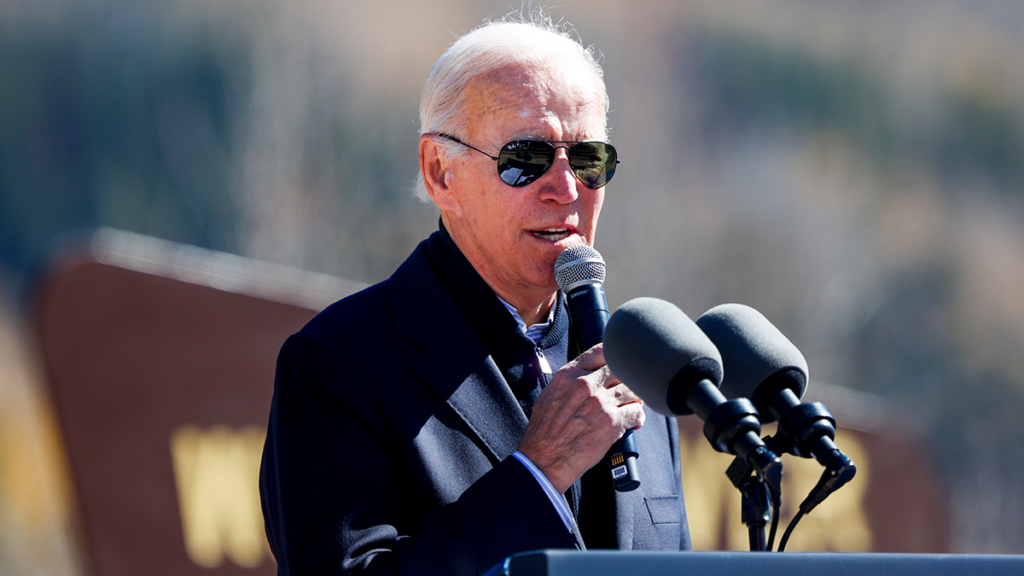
[525,135]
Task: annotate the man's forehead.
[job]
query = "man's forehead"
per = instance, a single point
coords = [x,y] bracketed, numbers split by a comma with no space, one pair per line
[514,82]
[534,93]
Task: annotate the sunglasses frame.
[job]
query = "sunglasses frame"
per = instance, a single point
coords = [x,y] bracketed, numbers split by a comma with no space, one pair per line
[606,174]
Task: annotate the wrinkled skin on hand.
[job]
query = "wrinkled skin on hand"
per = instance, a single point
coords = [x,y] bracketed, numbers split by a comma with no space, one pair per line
[577,418]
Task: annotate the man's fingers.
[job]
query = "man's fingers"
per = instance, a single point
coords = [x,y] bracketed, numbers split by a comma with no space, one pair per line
[623,395]
[591,359]
[633,416]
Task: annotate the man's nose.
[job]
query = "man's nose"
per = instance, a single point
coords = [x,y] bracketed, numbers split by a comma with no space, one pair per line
[559,183]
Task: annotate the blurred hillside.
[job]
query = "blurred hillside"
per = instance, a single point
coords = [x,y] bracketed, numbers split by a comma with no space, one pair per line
[852,169]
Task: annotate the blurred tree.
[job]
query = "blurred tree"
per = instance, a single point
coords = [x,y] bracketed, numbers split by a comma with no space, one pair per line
[103,124]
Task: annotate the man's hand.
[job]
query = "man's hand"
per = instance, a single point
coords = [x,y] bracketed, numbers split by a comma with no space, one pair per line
[577,418]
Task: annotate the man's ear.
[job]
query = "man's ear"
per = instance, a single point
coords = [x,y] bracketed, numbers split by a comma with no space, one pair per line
[437,175]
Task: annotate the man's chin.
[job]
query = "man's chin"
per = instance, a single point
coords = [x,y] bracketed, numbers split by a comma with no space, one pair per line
[545,281]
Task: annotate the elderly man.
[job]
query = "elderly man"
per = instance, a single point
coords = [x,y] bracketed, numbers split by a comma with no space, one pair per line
[437,422]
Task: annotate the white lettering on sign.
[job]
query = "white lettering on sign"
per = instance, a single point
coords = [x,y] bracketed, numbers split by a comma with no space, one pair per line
[217,475]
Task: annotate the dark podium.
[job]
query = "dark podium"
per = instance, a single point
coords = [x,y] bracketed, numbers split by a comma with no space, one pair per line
[615,563]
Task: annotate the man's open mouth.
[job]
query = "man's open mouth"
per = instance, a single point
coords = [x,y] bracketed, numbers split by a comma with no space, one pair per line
[552,234]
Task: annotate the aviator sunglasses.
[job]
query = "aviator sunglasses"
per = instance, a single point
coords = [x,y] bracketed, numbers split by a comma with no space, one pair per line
[520,162]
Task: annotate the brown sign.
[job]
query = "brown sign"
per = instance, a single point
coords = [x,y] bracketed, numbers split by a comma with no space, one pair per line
[160,360]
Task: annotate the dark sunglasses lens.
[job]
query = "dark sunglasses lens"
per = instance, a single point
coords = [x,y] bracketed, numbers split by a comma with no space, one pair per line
[523,161]
[593,162]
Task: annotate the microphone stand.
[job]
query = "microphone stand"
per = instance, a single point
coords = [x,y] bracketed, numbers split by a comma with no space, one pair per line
[805,430]
[760,498]
[755,502]
[733,427]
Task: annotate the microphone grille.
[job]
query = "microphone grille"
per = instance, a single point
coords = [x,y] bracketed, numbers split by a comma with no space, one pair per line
[579,264]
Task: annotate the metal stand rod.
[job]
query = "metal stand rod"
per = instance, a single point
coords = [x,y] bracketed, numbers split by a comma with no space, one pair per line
[756,511]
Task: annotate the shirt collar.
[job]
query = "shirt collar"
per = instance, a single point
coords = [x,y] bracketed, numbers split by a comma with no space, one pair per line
[535,332]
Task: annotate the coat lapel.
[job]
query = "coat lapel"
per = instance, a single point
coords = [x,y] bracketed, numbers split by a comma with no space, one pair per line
[454,362]
[471,384]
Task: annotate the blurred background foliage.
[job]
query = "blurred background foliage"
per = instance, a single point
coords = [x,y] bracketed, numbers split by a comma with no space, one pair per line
[852,169]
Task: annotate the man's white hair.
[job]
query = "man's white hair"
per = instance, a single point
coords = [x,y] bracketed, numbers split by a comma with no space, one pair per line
[532,39]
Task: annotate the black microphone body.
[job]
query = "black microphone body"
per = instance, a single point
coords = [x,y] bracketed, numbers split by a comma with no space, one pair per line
[588,312]
[764,366]
[676,369]
[580,273]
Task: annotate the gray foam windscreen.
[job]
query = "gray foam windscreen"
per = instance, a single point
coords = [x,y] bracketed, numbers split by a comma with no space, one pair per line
[648,341]
[752,349]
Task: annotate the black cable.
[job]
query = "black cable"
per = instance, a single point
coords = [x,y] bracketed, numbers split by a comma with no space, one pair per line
[831,480]
[789,529]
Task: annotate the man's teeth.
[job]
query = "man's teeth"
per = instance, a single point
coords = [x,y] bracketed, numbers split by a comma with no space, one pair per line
[553,234]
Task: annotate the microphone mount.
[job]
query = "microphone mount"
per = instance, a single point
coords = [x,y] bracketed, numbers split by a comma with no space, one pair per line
[732,427]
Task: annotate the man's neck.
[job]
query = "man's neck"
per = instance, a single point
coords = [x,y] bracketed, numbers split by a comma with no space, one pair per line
[531,314]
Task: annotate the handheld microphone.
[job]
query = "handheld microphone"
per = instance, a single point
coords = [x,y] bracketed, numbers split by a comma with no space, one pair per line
[580,273]
[670,363]
[764,366]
